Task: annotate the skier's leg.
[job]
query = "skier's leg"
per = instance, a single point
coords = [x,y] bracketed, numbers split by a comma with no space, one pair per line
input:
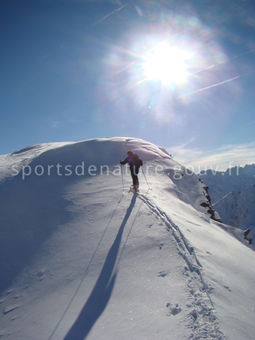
[136,182]
[133,175]
[135,179]
[136,175]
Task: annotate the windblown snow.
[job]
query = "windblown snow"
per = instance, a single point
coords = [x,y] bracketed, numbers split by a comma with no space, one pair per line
[82,257]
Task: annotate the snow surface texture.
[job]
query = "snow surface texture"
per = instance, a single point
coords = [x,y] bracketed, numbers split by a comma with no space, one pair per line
[83,258]
[233,195]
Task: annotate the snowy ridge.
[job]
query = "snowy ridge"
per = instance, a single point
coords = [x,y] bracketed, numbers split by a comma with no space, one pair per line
[23,157]
[84,258]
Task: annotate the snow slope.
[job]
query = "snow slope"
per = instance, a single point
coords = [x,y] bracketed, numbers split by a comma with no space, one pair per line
[81,258]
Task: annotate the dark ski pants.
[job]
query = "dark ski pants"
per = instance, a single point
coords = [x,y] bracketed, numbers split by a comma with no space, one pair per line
[134,172]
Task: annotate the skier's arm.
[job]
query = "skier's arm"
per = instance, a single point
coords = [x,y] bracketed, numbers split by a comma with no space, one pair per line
[124,162]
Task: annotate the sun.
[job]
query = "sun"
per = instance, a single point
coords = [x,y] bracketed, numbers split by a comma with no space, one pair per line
[167,64]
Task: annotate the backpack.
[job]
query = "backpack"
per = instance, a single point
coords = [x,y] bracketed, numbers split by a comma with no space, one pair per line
[137,161]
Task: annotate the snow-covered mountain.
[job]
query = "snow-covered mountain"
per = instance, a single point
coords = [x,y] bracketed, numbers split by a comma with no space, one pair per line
[233,195]
[82,257]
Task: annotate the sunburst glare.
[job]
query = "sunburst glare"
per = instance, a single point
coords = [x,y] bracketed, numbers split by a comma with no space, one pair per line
[167,64]
[169,69]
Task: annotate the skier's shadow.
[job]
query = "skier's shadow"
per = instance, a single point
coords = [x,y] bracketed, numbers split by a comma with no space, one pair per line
[102,290]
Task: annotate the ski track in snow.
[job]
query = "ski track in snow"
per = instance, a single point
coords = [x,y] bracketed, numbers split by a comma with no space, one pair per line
[202,318]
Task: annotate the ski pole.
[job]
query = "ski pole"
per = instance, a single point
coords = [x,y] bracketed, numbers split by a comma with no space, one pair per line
[145,179]
[122,179]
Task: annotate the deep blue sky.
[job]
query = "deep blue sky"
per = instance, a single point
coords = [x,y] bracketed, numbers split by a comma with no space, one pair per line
[69,70]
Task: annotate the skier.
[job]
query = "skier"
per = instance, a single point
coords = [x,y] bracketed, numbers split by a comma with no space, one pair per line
[134,163]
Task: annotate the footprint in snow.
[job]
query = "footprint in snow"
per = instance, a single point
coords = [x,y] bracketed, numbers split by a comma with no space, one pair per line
[40,274]
[162,274]
[10,308]
[186,271]
[227,287]
[161,245]
[194,314]
[173,309]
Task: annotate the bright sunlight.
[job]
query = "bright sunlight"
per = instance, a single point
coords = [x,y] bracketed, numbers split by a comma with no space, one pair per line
[166,64]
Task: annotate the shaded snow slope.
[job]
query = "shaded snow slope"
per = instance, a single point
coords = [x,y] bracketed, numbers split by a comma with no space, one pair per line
[82,259]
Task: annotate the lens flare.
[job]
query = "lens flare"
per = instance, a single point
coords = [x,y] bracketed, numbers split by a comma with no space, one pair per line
[167,64]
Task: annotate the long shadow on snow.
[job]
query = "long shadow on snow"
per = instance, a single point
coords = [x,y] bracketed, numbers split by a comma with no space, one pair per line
[102,290]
